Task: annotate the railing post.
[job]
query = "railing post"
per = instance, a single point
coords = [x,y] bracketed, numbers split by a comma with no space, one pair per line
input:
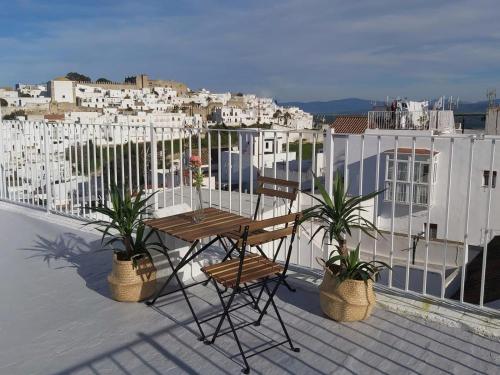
[48,189]
[329,157]
[2,178]
[329,161]
[154,162]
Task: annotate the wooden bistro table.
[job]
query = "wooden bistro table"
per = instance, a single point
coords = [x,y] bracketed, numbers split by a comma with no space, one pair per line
[183,227]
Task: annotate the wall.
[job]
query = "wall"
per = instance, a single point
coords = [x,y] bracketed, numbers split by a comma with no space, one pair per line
[455,191]
[492,126]
[62,91]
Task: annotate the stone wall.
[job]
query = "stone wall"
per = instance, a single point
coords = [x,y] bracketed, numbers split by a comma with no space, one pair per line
[141,81]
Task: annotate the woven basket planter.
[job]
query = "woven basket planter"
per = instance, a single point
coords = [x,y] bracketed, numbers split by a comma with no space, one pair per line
[129,284]
[348,301]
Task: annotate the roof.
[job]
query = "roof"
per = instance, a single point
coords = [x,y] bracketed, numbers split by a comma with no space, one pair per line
[64,260]
[53,117]
[61,79]
[408,151]
[350,124]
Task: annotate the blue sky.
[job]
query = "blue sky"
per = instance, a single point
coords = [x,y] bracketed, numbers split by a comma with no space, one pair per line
[291,50]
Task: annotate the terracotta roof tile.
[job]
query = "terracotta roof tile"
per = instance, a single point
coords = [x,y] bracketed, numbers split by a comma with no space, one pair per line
[350,124]
[53,117]
[408,151]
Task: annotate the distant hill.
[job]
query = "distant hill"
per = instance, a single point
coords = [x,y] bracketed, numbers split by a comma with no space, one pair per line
[344,106]
[357,106]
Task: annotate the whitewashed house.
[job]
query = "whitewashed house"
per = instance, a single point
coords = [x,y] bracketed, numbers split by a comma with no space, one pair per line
[433,192]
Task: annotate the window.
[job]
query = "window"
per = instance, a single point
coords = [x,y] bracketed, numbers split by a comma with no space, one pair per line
[421,180]
[486,179]
[433,230]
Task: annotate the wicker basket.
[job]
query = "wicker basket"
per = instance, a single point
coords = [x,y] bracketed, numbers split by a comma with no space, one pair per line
[348,301]
[129,284]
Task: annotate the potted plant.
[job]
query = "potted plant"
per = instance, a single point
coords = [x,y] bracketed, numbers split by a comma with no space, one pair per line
[346,292]
[133,275]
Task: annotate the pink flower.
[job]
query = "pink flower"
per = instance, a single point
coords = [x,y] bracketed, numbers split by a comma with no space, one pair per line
[195,161]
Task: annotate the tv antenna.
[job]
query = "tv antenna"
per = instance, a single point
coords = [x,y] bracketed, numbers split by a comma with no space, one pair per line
[491,94]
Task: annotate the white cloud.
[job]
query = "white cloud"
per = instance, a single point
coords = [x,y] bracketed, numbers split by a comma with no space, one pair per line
[302,50]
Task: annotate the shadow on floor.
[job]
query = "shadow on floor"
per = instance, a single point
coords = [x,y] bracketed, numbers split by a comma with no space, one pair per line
[93,263]
[69,250]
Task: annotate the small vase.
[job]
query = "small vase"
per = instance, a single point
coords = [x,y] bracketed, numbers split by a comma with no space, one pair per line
[198,215]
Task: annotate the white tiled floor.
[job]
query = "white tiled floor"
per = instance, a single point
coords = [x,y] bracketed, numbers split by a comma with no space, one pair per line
[56,318]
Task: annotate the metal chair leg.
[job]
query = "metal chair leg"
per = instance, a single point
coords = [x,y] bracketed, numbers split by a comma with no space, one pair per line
[229,252]
[295,349]
[255,302]
[261,290]
[226,308]
[268,302]
[285,283]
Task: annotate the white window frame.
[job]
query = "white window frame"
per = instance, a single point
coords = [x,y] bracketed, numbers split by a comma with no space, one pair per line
[403,186]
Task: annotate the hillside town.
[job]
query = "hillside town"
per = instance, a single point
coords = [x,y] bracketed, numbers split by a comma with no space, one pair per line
[213,187]
[141,100]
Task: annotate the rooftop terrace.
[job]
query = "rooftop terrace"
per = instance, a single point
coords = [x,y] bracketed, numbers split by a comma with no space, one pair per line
[57,318]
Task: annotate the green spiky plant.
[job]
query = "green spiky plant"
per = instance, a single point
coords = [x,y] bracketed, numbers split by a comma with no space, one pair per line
[125,226]
[337,217]
[351,267]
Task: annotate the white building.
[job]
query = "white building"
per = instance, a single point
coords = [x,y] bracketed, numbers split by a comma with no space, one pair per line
[229,116]
[34,91]
[10,96]
[61,90]
[257,153]
[431,187]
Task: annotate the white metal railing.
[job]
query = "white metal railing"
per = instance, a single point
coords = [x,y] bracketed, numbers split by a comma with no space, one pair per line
[412,120]
[431,245]
[68,168]
[430,234]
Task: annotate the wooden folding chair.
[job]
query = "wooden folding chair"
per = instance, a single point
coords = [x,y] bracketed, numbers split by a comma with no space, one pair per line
[275,187]
[267,186]
[252,271]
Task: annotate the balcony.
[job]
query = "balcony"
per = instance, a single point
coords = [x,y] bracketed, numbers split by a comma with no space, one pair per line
[442,121]
[434,314]
[59,320]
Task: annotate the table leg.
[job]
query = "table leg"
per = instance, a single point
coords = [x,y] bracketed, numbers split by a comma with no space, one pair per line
[185,260]
[182,289]
[174,272]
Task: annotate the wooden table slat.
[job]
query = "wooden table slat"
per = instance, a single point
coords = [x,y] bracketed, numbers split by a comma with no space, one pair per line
[182,226]
[181,222]
[208,232]
[208,224]
[174,219]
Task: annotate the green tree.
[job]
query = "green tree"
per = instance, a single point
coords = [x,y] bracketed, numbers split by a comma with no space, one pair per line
[74,76]
[103,80]
[13,115]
